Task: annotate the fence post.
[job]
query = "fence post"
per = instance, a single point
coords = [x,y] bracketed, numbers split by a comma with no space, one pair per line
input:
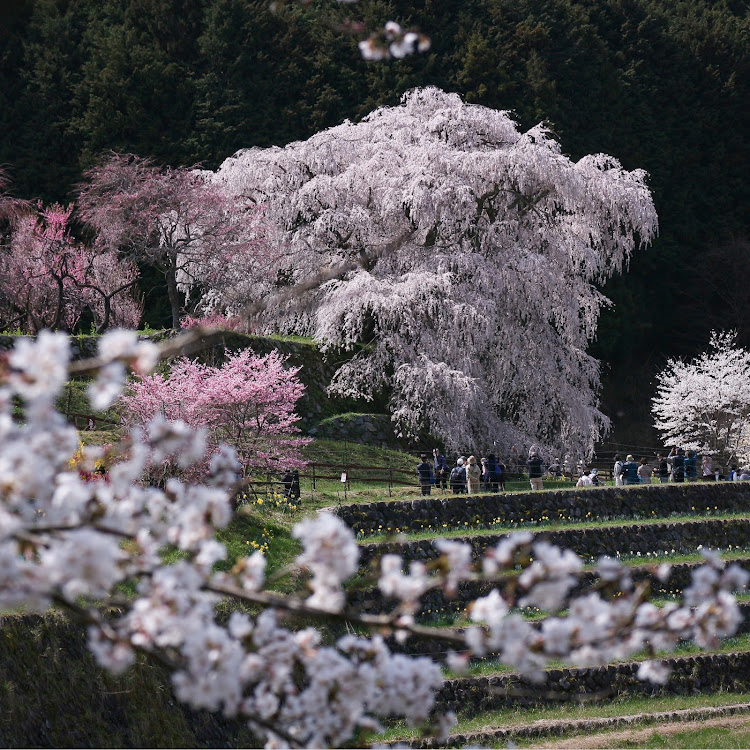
[390,480]
[313,477]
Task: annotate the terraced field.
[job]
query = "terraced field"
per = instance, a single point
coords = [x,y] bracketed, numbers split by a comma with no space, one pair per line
[640,525]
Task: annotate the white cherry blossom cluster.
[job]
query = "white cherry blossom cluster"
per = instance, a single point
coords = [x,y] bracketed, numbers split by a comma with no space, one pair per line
[62,544]
[71,543]
[614,621]
[704,404]
[435,217]
[393,42]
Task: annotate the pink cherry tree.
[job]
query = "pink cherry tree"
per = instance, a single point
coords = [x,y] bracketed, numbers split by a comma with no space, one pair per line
[173,220]
[248,403]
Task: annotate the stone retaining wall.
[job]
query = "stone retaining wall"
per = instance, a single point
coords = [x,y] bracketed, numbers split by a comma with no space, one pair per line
[575,504]
[590,543]
[435,603]
[551,728]
[703,673]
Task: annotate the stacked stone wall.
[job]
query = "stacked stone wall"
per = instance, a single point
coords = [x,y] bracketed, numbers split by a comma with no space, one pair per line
[412,516]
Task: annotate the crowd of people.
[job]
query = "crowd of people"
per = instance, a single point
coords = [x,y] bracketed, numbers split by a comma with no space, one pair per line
[467,476]
[488,474]
[677,466]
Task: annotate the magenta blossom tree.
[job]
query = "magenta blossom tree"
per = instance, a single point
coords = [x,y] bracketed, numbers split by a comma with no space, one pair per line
[47,278]
[247,403]
[173,220]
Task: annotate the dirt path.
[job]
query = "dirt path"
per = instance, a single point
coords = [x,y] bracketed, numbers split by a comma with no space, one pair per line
[617,738]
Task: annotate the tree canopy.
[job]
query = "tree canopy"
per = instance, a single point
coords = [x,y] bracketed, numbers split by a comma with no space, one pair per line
[471,251]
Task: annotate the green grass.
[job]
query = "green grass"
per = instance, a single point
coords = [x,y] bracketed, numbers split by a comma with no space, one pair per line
[615,707]
[707,737]
[361,487]
[309,341]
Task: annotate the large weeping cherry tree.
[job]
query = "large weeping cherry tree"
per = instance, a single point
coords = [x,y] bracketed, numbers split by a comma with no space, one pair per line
[469,252]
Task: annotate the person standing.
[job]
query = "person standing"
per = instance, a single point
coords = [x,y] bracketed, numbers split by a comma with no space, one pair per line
[295,491]
[493,474]
[691,467]
[458,477]
[677,463]
[425,475]
[645,471]
[662,468]
[708,469]
[536,472]
[500,475]
[630,471]
[617,470]
[441,469]
[473,475]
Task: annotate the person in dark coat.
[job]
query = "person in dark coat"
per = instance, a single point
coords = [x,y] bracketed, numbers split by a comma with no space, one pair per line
[458,477]
[441,469]
[425,475]
[630,471]
[535,465]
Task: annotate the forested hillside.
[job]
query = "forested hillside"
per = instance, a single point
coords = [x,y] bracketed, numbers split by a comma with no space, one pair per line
[661,84]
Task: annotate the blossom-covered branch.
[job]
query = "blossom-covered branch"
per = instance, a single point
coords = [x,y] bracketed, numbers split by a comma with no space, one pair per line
[61,545]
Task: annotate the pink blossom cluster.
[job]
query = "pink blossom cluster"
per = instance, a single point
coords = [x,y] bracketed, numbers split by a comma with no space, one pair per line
[248,403]
[48,279]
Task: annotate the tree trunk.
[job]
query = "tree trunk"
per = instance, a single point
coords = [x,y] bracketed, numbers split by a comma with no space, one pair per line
[174,297]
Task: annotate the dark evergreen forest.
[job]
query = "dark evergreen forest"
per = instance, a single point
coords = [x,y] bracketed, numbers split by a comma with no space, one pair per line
[661,84]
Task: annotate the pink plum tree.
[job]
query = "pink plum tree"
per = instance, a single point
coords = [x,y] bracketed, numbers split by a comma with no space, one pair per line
[174,220]
[47,278]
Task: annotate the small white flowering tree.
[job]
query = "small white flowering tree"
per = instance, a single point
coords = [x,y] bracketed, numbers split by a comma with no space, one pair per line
[470,253]
[61,545]
[704,404]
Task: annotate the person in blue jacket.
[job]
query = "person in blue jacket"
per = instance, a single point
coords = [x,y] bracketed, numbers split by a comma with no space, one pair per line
[630,471]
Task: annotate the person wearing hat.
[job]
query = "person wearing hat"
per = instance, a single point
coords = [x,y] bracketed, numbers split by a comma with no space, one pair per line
[630,471]
[457,479]
[536,472]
